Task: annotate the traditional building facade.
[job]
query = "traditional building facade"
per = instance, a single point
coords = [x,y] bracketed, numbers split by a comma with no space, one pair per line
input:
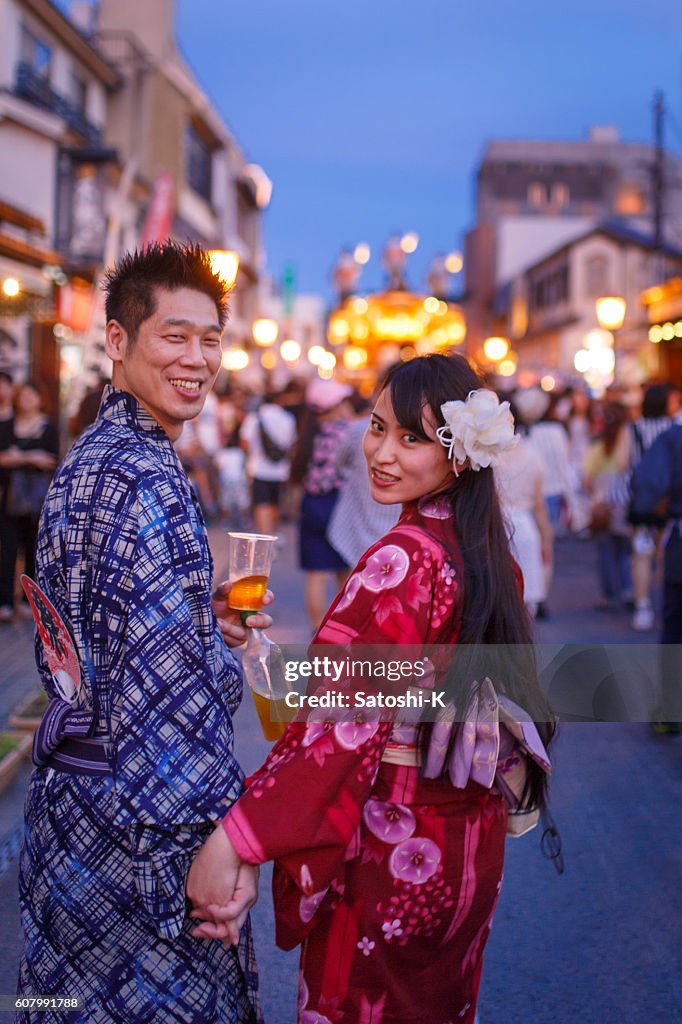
[183,162]
[108,142]
[54,88]
[533,197]
[549,309]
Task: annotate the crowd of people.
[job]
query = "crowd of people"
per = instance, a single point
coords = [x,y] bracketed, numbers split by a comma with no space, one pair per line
[296,453]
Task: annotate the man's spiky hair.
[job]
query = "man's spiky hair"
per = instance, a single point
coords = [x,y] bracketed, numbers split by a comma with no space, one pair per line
[130,286]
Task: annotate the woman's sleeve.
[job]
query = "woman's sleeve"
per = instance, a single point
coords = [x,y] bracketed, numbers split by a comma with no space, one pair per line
[303,806]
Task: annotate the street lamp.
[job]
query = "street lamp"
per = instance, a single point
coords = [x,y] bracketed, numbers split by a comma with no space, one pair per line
[225,264]
[290,350]
[235,359]
[11,287]
[610,311]
[495,349]
[265,331]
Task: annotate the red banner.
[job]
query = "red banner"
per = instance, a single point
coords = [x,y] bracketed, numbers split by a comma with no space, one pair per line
[157,223]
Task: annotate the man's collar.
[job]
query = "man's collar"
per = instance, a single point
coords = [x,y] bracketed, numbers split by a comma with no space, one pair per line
[122,407]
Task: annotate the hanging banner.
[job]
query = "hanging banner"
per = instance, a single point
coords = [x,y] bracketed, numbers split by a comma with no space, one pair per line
[157,223]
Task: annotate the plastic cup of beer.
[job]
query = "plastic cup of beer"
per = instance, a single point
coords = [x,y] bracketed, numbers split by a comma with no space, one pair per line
[249,564]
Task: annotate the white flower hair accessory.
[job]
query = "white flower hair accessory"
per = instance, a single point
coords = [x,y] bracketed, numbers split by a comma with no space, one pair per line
[479,429]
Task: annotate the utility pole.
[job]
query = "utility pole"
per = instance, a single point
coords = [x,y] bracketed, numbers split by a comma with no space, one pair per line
[657,170]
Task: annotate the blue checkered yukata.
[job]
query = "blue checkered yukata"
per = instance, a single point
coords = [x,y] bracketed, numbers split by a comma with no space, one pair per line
[133,774]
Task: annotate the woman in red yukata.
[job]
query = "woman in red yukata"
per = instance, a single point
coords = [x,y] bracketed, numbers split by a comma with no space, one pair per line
[389,839]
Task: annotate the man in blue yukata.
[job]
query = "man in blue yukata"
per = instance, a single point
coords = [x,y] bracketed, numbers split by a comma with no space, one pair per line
[136,764]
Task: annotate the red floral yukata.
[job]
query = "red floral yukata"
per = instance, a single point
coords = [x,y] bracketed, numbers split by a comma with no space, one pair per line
[388,879]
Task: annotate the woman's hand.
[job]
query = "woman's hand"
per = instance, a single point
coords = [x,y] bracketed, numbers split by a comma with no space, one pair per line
[233,632]
[221,888]
[213,873]
[225,922]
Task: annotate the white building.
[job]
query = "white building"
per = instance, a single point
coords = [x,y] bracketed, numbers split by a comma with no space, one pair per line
[549,307]
[534,196]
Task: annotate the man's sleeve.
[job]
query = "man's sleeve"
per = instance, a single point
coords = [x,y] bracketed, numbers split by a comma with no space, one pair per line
[170,723]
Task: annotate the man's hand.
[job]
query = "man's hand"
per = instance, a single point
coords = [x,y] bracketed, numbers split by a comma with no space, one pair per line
[229,621]
[225,922]
[213,874]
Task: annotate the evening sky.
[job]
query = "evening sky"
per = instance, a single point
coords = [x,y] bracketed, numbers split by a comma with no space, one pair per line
[370,117]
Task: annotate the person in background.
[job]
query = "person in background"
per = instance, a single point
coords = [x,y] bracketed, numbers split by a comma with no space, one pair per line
[6,440]
[197,447]
[550,439]
[579,424]
[314,466]
[87,409]
[267,436]
[520,479]
[674,409]
[357,520]
[605,467]
[29,462]
[657,491]
[230,461]
[643,432]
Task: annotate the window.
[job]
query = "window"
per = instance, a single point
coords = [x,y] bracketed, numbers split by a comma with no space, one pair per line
[560,195]
[596,277]
[199,155]
[79,92]
[537,194]
[35,53]
[550,289]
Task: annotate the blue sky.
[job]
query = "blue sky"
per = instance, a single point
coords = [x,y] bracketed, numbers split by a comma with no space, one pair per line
[370,117]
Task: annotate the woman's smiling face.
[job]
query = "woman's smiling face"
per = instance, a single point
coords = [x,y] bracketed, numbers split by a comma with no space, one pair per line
[403,467]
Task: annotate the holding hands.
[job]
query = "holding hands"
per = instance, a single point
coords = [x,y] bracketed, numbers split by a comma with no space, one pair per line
[222,889]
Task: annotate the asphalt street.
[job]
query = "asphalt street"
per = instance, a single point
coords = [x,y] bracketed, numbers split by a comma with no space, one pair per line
[600,944]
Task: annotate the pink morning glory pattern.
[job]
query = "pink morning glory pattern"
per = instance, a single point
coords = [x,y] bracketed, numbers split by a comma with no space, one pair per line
[385,569]
[389,822]
[414,860]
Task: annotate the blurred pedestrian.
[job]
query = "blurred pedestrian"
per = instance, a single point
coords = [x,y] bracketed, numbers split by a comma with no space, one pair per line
[520,479]
[87,409]
[314,466]
[581,429]
[267,436]
[6,440]
[657,491]
[197,447]
[643,432]
[550,439]
[230,460]
[29,462]
[357,520]
[606,466]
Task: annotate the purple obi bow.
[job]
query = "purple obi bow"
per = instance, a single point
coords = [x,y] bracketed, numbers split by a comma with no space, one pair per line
[483,752]
[59,722]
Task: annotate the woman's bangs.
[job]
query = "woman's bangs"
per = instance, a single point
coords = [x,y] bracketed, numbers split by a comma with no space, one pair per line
[409,401]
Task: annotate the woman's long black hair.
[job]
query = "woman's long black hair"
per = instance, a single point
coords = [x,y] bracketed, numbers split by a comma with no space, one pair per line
[495,637]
